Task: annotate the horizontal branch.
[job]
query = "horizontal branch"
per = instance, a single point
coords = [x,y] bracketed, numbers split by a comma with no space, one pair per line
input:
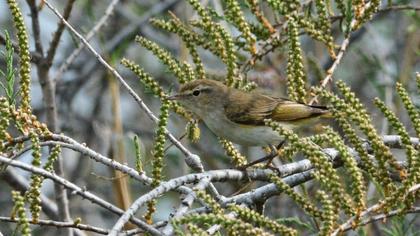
[77,190]
[59,224]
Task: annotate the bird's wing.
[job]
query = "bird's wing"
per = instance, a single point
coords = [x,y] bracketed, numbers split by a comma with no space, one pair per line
[259,107]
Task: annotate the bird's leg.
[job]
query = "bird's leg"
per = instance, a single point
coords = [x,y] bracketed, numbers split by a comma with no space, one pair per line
[273,153]
[274,149]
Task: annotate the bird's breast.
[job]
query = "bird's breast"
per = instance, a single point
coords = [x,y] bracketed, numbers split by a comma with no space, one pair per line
[247,135]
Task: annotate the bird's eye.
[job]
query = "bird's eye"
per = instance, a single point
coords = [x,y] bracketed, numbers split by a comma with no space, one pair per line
[196,92]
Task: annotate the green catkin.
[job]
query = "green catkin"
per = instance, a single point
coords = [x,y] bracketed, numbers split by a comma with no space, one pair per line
[19,211]
[325,173]
[357,186]
[261,221]
[296,76]
[329,212]
[352,110]
[158,155]
[235,15]
[237,158]
[305,204]
[4,121]
[24,56]
[413,112]
[33,195]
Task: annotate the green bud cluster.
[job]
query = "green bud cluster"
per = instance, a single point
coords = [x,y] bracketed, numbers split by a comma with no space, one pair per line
[4,121]
[165,57]
[33,195]
[411,152]
[139,164]
[304,203]
[19,211]
[234,14]
[357,186]
[413,112]
[233,226]
[221,41]
[158,154]
[329,213]
[195,230]
[151,84]
[261,221]
[54,154]
[362,118]
[324,25]
[193,132]
[296,76]
[237,158]
[325,173]
[211,203]
[344,111]
[24,56]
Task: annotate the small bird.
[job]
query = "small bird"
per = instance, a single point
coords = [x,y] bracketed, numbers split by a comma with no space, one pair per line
[238,116]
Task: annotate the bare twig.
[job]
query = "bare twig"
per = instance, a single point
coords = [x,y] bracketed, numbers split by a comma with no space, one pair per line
[59,224]
[192,160]
[77,190]
[373,208]
[134,28]
[339,56]
[57,35]
[383,217]
[48,92]
[101,22]
[19,183]
[185,205]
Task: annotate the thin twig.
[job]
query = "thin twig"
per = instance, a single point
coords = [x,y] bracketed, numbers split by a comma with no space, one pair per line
[57,35]
[337,60]
[185,205]
[60,224]
[101,22]
[383,217]
[192,160]
[373,208]
[77,190]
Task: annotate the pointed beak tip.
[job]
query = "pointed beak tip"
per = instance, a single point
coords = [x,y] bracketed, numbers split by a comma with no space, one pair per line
[173,97]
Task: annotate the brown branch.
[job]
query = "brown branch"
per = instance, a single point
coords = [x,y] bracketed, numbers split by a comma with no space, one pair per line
[57,35]
[49,98]
[35,26]
[101,22]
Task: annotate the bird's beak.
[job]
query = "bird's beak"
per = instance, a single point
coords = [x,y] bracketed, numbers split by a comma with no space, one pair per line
[174,97]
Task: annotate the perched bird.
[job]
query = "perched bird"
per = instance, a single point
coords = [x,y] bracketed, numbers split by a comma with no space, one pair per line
[239,116]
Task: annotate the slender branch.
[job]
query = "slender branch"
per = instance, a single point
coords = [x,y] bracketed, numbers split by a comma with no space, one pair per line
[35,26]
[383,217]
[134,28]
[49,98]
[69,143]
[57,35]
[59,224]
[186,203]
[19,183]
[192,160]
[165,187]
[101,22]
[373,208]
[340,55]
[77,190]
